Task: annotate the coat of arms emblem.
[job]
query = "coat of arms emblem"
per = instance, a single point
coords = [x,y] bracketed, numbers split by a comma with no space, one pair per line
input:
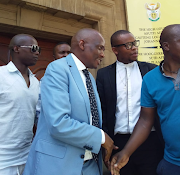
[153,11]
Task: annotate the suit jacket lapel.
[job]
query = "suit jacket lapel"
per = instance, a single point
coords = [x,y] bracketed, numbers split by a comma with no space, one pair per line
[77,78]
[112,79]
[142,68]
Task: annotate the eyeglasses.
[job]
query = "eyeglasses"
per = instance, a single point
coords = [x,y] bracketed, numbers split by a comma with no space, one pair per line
[129,45]
[34,48]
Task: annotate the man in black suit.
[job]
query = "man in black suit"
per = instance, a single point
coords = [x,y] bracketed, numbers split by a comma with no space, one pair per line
[119,87]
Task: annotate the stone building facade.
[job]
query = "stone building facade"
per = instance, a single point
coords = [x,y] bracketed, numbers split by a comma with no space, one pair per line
[51,21]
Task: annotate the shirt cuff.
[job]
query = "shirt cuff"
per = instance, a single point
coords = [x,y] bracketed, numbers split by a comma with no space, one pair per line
[103,137]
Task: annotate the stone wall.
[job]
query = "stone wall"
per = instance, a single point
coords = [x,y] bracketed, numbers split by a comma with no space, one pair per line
[61,19]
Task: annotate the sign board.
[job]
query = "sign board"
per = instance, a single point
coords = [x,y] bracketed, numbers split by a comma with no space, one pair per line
[146,20]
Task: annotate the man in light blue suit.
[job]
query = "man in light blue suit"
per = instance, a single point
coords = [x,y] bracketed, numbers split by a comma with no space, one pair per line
[66,138]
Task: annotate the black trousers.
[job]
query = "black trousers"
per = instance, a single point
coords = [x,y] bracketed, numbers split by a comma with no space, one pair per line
[145,159]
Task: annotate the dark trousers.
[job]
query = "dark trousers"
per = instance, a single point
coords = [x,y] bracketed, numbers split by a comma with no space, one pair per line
[145,159]
[167,168]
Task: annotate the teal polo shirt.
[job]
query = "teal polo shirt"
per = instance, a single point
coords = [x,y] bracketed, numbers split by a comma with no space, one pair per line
[163,92]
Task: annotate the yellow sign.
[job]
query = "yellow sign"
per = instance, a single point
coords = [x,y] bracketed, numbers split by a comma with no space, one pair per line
[146,20]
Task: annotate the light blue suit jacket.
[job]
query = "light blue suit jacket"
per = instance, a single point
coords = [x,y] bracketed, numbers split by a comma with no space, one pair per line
[64,131]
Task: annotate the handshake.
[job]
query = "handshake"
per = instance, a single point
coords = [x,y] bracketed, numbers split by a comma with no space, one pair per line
[118,161]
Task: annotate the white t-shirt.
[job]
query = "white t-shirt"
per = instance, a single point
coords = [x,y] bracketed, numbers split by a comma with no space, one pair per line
[17,112]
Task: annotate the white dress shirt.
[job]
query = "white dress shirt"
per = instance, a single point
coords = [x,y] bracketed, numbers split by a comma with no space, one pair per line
[17,112]
[128,85]
[80,67]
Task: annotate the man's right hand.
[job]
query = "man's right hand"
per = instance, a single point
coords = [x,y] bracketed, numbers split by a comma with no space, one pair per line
[118,161]
[108,146]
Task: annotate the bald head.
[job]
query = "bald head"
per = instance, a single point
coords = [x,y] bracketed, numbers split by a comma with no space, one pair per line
[170,33]
[24,50]
[88,46]
[19,40]
[86,35]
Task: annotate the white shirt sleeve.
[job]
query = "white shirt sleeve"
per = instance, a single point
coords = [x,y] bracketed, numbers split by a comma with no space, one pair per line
[103,137]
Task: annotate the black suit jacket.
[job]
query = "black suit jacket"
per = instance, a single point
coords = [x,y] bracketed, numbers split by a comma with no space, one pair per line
[106,85]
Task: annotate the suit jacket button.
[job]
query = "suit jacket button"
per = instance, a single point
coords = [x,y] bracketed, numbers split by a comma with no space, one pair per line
[82,156]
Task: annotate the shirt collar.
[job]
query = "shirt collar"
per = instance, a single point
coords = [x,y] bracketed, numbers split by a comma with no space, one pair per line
[12,68]
[161,67]
[79,64]
[120,64]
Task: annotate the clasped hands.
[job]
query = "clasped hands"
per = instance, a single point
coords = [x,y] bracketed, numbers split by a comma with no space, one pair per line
[118,161]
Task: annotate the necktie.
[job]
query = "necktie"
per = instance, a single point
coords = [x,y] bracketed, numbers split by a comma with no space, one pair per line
[93,105]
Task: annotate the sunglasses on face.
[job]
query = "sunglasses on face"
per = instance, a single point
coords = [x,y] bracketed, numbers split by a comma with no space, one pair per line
[129,45]
[34,48]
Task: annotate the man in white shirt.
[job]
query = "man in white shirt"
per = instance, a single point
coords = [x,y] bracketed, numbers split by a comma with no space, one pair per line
[119,87]
[18,98]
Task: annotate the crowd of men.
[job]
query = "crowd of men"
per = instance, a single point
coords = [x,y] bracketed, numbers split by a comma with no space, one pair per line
[129,117]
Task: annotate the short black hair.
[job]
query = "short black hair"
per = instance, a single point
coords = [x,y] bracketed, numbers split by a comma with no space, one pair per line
[116,34]
[62,42]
